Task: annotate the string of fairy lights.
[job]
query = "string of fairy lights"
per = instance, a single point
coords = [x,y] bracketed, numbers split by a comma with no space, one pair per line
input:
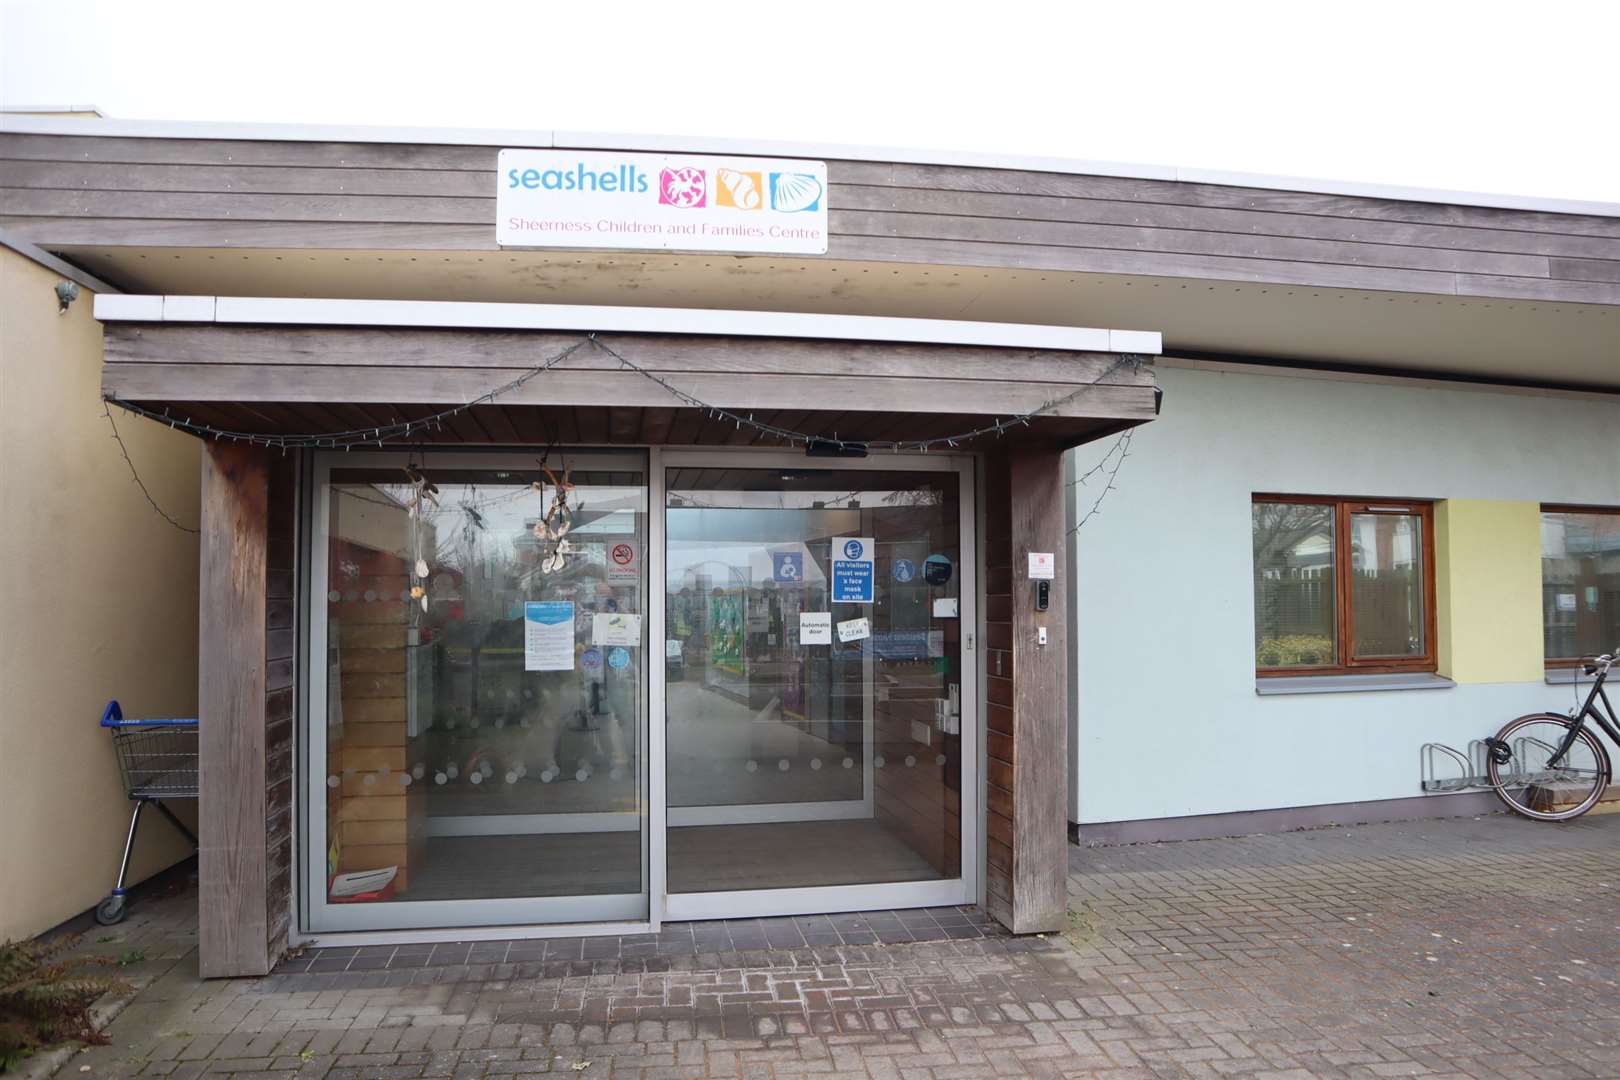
[403,430]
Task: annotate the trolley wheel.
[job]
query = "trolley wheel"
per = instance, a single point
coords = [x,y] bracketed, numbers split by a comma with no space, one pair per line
[111,911]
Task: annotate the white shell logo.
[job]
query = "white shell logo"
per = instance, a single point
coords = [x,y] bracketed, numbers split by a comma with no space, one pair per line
[795,193]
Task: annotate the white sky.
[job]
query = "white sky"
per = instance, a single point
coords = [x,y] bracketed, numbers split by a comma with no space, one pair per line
[1516,98]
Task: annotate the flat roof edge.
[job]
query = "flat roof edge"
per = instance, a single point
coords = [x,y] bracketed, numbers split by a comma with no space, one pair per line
[673,144]
[582,318]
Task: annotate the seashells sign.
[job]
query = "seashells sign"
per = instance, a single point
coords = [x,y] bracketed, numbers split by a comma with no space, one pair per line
[680,202]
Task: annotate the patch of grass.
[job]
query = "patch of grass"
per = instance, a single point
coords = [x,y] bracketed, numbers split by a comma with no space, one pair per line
[133,956]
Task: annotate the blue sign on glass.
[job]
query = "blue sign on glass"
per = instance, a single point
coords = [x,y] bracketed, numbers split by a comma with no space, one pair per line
[852,570]
[591,659]
[787,567]
[904,570]
[619,659]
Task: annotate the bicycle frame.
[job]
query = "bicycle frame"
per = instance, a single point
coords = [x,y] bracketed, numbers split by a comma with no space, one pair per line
[1610,724]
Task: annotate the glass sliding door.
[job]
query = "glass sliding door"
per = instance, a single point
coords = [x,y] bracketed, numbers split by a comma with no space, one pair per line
[479,694]
[817,628]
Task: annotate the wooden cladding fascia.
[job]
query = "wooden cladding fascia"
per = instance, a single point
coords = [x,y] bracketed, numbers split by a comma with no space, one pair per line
[98,191]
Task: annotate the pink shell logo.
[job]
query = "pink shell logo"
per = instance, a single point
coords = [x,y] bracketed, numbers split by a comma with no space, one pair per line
[684,187]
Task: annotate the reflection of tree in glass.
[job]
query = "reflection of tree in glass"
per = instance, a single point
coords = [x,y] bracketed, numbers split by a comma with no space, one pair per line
[1293,584]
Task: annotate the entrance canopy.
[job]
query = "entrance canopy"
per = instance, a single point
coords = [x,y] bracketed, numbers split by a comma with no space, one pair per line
[536,373]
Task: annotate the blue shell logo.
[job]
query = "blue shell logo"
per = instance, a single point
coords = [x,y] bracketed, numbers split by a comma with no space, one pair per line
[795,193]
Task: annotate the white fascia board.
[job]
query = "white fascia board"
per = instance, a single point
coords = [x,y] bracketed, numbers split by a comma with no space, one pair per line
[461,315]
[125,307]
[683,144]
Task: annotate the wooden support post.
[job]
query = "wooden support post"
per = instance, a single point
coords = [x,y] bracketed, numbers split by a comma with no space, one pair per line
[1027,688]
[1040,699]
[233,920]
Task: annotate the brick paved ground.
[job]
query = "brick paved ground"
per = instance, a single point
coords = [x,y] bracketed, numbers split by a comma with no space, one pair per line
[1471,948]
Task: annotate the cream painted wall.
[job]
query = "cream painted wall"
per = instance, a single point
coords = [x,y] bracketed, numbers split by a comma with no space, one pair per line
[1168,721]
[1488,590]
[98,599]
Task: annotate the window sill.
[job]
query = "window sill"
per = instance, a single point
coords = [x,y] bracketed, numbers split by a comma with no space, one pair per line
[1351,684]
[1562,676]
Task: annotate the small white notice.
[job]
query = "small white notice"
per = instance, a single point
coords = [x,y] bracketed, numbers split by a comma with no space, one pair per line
[1566,601]
[815,628]
[615,629]
[945,608]
[854,629]
[1042,565]
[548,635]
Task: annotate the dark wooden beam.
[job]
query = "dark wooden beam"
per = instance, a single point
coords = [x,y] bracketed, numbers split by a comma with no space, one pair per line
[234,923]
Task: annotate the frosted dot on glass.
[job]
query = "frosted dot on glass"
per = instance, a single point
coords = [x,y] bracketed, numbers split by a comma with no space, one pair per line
[476,778]
[368,779]
[910,760]
[512,777]
[815,763]
[334,596]
[350,771]
[500,722]
[439,778]
[333,781]
[404,779]
[940,760]
[418,770]
[486,768]
[752,766]
[877,762]
[521,769]
[783,765]
[548,776]
[385,770]
[384,595]
[849,763]
[451,771]
[371,596]
[582,775]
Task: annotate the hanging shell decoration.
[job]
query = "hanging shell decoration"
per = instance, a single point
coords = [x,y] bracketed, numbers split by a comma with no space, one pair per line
[558,520]
[424,492]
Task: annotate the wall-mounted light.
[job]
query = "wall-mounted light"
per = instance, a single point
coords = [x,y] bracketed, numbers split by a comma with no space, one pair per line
[66,293]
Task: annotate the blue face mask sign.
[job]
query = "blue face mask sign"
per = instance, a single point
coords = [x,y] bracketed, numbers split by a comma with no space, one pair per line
[904,570]
[936,569]
[853,563]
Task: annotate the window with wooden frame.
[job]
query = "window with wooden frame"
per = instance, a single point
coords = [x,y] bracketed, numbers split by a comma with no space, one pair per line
[1343,586]
[1580,582]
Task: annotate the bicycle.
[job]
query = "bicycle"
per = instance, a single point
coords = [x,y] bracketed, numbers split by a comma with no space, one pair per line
[1551,767]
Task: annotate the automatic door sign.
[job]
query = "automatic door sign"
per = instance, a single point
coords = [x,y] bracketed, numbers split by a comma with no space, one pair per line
[815,628]
[852,569]
[787,567]
[904,570]
[937,569]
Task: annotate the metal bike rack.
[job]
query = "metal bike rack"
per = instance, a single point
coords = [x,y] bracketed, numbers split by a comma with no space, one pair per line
[1445,768]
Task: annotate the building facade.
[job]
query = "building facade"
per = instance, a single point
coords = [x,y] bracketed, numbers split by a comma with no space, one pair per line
[599,532]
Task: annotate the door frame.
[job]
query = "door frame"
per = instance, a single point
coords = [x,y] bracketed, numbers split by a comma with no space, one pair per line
[506,916]
[728,904]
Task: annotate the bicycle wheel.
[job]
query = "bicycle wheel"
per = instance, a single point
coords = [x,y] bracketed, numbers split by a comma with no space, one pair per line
[1521,770]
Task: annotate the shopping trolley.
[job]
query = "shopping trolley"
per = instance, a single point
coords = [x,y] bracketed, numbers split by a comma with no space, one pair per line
[158,760]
